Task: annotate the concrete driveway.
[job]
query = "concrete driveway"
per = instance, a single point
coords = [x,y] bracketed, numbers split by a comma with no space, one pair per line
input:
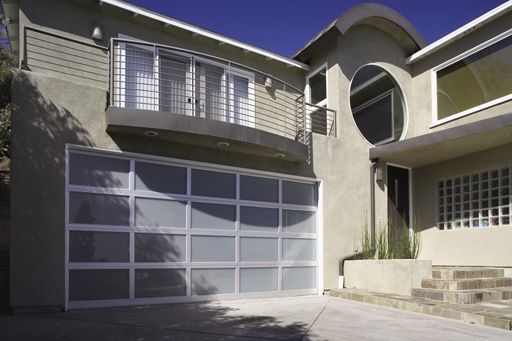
[294,318]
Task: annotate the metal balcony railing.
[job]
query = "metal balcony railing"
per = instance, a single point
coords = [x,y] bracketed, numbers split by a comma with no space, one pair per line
[162,78]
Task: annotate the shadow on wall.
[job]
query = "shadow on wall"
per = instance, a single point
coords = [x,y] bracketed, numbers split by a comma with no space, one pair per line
[40,130]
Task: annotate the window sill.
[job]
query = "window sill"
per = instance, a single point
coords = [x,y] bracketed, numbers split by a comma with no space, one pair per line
[471,111]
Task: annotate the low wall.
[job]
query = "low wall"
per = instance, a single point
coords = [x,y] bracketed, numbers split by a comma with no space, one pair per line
[394,276]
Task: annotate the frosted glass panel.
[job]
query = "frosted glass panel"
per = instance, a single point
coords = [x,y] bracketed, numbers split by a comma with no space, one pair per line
[159,178]
[213,216]
[299,193]
[213,249]
[299,278]
[299,249]
[258,249]
[159,248]
[258,279]
[160,213]
[99,209]
[213,281]
[160,283]
[87,285]
[87,170]
[259,189]
[299,221]
[259,219]
[213,184]
[98,246]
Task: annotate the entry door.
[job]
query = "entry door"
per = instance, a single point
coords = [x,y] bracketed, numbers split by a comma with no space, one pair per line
[398,196]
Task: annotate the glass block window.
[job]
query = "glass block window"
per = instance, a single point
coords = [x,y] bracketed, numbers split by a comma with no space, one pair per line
[478,200]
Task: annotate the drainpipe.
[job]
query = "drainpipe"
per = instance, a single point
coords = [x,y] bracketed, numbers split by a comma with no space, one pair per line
[356,255]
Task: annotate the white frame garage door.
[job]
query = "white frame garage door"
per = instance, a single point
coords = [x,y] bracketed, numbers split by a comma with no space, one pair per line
[142,229]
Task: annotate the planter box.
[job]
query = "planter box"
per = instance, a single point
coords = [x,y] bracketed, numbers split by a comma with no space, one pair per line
[394,276]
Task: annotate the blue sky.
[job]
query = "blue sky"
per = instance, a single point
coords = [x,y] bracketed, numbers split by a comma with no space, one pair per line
[284,26]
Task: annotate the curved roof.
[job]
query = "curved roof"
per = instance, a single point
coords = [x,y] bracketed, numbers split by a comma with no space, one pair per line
[372,14]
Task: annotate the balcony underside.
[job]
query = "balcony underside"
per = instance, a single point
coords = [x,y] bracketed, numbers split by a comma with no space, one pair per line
[203,132]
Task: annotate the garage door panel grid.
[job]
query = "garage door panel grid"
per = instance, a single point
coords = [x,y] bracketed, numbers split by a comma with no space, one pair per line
[142,232]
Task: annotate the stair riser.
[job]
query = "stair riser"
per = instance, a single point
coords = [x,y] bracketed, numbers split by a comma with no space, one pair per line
[465,274]
[487,283]
[461,297]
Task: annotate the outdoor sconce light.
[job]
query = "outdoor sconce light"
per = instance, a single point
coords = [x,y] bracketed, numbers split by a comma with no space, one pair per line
[268,82]
[379,174]
[97,32]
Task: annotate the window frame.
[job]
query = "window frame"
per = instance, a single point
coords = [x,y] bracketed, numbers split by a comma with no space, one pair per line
[371,101]
[307,92]
[433,76]
[228,71]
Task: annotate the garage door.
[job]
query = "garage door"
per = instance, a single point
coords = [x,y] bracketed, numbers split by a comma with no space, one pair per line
[145,231]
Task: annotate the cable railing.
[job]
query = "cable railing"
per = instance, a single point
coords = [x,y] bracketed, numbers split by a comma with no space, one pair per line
[161,78]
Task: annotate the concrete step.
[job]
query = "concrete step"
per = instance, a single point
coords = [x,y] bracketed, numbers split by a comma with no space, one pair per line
[466,284]
[497,314]
[464,296]
[452,273]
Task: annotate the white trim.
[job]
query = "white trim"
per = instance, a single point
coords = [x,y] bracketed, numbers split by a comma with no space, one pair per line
[235,234]
[460,32]
[320,240]
[405,127]
[205,33]
[435,121]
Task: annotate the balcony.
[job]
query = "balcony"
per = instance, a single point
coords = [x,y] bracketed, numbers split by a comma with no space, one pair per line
[195,98]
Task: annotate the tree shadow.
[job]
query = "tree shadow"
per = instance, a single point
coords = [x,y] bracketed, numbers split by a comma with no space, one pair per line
[227,320]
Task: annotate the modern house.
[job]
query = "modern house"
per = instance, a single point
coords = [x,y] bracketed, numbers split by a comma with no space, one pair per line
[155,161]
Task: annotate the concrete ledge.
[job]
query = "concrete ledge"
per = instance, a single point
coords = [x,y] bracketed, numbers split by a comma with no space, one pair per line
[203,132]
[394,276]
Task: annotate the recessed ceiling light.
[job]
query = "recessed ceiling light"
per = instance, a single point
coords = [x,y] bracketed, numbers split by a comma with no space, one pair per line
[150,133]
[223,144]
[279,155]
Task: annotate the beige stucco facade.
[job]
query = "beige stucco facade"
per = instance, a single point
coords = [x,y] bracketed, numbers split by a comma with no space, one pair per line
[68,106]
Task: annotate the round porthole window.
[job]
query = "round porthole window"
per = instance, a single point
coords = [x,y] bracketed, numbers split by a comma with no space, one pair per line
[377,105]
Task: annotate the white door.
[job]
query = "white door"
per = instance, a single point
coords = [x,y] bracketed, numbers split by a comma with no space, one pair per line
[143,231]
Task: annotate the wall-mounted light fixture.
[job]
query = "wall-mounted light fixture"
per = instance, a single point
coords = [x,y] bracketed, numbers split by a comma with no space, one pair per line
[268,82]
[379,174]
[96,32]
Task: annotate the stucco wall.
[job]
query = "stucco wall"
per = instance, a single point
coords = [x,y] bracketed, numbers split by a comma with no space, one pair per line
[343,163]
[467,246]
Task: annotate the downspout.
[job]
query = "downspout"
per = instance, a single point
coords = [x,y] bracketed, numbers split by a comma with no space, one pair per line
[356,255]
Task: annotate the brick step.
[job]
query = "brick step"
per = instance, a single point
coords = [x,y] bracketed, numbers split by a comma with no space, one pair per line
[492,315]
[466,284]
[466,272]
[464,296]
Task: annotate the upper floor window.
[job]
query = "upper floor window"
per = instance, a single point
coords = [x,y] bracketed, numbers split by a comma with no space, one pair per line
[317,87]
[153,78]
[478,79]
[377,105]
[317,118]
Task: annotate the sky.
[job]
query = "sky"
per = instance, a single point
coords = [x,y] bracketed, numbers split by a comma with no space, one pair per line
[284,26]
